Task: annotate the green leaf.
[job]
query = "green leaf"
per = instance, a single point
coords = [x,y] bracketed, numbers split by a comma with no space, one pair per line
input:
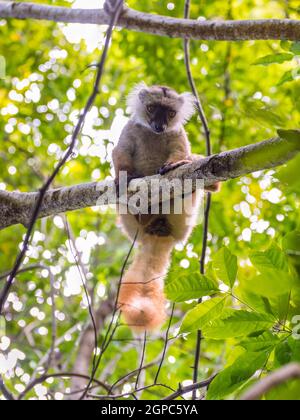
[264,115]
[282,306]
[203,313]
[2,67]
[271,283]
[286,175]
[266,341]
[283,354]
[237,323]
[291,135]
[233,377]
[287,352]
[272,258]
[295,48]
[226,267]
[289,76]
[289,391]
[285,45]
[2,326]
[188,287]
[291,243]
[274,59]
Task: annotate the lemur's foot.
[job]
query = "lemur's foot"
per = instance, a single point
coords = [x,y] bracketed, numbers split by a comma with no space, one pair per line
[170,166]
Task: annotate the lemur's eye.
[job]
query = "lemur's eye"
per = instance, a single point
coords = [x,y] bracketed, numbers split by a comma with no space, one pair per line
[150,108]
[172,114]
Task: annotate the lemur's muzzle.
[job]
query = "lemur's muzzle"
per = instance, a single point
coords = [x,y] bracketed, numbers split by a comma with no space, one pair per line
[159,123]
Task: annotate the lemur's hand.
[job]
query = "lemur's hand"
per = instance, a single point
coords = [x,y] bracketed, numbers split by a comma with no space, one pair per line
[170,166]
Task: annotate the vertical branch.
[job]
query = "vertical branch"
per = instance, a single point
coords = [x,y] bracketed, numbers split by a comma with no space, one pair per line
[53,322]
[187,60]
[204,121]
[226,83]
[83,278]
[227,94]
[165,345]
[109,335]
[142,361]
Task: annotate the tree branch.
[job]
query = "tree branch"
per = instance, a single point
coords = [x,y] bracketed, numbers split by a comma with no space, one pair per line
[182,390]
[16,207]
[282,375]
[86,346]
[7,395]
[229,30]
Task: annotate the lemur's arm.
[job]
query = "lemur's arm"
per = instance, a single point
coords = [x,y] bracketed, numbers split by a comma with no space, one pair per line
[123,157]
[179,155]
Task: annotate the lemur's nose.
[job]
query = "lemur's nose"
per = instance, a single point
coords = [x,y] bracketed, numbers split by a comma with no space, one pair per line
[159,128]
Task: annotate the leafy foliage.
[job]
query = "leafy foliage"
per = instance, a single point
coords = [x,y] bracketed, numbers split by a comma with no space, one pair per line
[225,265]
[192,287]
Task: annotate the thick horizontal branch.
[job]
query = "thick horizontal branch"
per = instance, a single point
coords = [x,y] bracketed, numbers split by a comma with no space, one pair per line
[16,207]
[229,30]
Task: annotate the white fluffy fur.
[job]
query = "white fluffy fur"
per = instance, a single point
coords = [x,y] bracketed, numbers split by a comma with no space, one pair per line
[133,100]
[187,109]
[189,106]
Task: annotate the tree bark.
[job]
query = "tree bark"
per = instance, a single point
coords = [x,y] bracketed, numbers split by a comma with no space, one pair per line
[16,207]
[280,376]
[226,30]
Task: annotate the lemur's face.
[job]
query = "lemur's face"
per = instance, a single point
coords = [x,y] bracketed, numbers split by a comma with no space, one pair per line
[159,117]
[160,108]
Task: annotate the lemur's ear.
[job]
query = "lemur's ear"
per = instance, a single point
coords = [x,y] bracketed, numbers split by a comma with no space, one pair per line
[143,95]
[136,96]
[188,105]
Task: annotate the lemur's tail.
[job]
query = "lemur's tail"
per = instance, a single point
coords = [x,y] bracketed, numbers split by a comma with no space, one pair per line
[141,297]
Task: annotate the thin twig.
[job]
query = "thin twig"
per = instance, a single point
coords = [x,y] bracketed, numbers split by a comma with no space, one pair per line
[182,390]
[204,121]
[53,321]
[125,378]
[108,337]
[227,93]
[226,84]
[83,278]
[7,394]
[166,341]
[23,270]
[44,378]
[187,60]
[130,393]
[142,361]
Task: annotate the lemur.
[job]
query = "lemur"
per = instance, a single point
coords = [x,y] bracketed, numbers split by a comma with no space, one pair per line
[153,141]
